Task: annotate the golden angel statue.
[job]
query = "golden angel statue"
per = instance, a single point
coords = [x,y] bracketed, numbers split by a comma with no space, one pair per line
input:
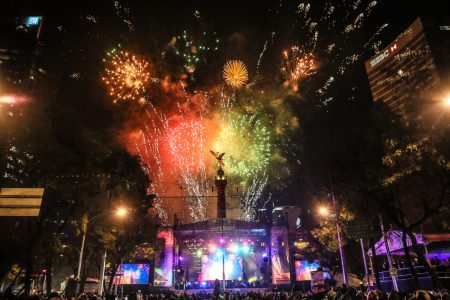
[219,157]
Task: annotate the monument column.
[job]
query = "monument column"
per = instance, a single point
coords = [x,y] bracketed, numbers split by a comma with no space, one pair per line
[221,184]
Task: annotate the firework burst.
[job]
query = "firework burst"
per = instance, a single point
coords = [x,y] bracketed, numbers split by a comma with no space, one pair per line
[296,65]
[126,76]
[172,152]
[187,151]
[247,142]
[235,73]
[256,131]
[194,51]
[172,148]
[327,29]
[251,196]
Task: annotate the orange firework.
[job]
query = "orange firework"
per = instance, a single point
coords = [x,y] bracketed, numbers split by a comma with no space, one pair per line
[235,73]
[126,76]
[296,65]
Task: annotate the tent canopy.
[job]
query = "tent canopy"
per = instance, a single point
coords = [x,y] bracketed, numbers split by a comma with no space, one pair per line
[394,238]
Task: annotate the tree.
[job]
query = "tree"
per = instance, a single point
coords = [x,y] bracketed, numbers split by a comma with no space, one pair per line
[54,149]
[406,175]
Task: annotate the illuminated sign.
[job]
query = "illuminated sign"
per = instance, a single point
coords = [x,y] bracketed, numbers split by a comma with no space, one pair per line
[379,58]
[33,21]
[412,32]
[394,47]
[383,55]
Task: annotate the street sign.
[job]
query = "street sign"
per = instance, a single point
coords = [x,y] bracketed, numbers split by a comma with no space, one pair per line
[20,202]
[358,229]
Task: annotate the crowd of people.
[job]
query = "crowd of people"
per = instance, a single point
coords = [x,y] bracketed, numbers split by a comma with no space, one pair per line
[342,293]
[434,262]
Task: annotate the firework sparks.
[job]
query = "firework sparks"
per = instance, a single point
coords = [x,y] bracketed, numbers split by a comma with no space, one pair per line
[194,51]
[171,155]
[187,150]
[124,14]
[296,65]
[327,29]
[251,197]
[126,76]
[254,130]
[260,56]
[247,142]
[172,148]
[235,73]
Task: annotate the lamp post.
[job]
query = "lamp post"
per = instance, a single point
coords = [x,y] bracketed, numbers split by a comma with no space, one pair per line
[120,212]
[324,211]
[388,254]
[341,250]
[102,274]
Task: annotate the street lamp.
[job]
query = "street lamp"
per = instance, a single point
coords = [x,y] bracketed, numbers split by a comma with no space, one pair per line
[324,211]
[120,212]
[446,101]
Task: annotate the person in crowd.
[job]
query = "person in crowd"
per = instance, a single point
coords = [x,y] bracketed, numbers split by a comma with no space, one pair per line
[393,296]
[422,295]
[53,296]
[435,261]
[385,266]
[375,295]
[218,291]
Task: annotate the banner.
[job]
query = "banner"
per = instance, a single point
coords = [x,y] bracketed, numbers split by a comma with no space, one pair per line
[280,255]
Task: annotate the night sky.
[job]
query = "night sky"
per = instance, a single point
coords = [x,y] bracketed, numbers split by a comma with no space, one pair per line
[77,34]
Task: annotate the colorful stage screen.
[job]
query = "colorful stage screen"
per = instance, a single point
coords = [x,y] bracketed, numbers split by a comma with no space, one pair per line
[303,269]
[212,266]
[246,261]
[133,274]
[280,255]
[164,258]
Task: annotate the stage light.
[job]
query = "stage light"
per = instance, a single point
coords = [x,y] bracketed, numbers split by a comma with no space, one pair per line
[212,248]
[180,258]
[219,253]
[222,241]
[264,255]
[204,283]
[234,248]
[199,253]
[246,249]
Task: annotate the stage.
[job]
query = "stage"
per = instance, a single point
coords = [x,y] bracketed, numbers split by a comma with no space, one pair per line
[243,254]
[233,290]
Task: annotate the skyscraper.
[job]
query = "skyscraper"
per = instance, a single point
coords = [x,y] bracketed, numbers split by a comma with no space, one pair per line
[18,51]
[403,70]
